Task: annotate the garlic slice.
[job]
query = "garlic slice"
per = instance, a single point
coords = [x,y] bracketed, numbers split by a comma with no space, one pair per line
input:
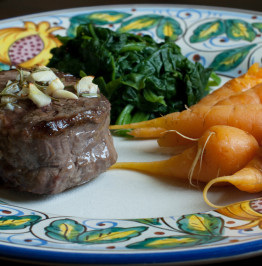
[25,74]
[38,97]
[43,76]
[24,92]
[63,94]
[86,84]
[7,99]
[54,85]
[11,88]
[9,106]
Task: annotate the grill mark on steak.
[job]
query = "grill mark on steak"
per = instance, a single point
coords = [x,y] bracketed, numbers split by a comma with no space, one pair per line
[98,109]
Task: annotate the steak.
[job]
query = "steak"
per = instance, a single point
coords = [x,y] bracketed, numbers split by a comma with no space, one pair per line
[49,149]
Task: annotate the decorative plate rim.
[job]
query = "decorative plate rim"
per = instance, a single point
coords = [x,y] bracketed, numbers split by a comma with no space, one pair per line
[110,6]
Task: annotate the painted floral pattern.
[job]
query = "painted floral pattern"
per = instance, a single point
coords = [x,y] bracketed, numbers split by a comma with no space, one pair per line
[227,41]
[224,225]
[28,45]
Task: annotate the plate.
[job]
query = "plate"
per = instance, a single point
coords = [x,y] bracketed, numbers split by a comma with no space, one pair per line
[123,217]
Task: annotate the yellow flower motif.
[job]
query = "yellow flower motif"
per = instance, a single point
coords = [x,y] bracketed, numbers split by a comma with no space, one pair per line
[29,45]
[246,211]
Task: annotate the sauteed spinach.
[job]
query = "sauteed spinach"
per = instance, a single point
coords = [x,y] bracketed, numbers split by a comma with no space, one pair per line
[141,78]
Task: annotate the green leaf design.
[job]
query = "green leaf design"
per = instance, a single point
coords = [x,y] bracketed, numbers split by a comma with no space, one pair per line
[201,224]
[65,229]
[238,29]
[71,231]
[170,242]
[99,18]
[140,23]
[107,17]
[18,222]
[230,59]
[71,31]
[111,235]
[168,27]
[207,30]
[257,25]
[149,221]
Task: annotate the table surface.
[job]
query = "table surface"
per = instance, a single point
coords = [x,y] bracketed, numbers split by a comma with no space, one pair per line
[12,8]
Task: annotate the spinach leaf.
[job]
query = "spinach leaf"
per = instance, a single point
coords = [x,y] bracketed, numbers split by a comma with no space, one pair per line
[141,78]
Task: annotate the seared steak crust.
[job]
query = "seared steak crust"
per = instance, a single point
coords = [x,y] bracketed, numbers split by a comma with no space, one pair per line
[50,149]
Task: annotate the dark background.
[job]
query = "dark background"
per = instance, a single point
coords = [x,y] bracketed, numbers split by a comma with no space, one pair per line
[12,8]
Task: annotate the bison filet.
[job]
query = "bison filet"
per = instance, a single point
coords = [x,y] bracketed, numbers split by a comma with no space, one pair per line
[49,149]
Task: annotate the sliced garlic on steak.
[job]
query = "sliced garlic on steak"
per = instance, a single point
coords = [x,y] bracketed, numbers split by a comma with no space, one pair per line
[9,106]
[86,84]
[54,85]
[63,94]
[11,89]
[9,82]
[8,99]
[45,75]
[24,92]
[38,97]
[42,67]
[23,74]
[41,85]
